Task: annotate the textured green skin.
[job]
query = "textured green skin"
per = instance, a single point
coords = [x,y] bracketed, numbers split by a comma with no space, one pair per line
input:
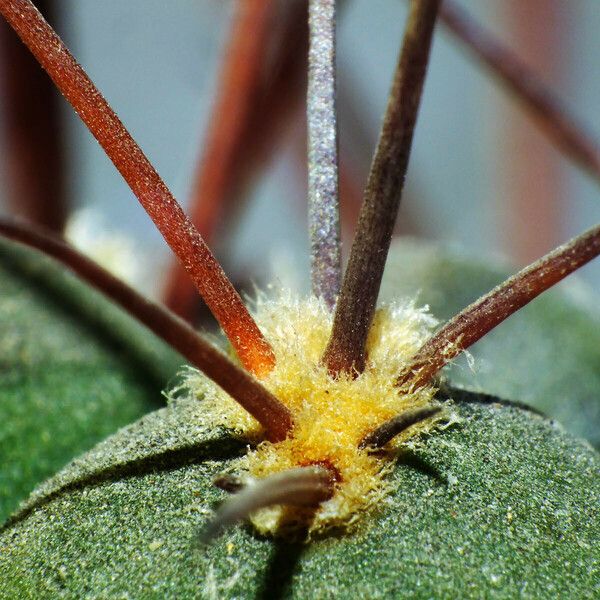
[73,369]
[503,505]
[546,355]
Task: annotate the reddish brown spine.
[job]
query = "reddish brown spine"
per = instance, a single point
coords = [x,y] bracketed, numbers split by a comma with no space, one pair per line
[477,319]
[240,385]
[178,231]
[217,170]
[354,311]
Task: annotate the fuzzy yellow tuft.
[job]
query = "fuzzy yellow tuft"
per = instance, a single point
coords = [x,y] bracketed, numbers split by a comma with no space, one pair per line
[331,416]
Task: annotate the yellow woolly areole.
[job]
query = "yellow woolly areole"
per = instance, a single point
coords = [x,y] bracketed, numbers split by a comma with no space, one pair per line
[331,417]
